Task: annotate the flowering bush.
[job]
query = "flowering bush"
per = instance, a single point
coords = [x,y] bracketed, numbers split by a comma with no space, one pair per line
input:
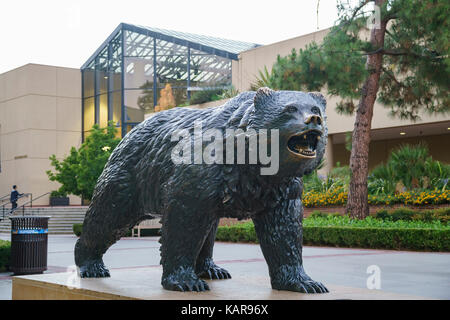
[333,197]
[418,198]
[411,177]
[338,196]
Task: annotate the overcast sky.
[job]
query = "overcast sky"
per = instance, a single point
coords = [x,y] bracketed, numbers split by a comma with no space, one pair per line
[65,33]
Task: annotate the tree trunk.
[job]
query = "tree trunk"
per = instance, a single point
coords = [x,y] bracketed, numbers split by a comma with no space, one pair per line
[357,203]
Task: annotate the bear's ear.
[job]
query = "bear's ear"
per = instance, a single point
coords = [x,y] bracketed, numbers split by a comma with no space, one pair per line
[262,95]
[244,121]
[319,98]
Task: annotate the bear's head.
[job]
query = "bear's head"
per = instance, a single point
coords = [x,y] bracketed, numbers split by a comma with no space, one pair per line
[301,123]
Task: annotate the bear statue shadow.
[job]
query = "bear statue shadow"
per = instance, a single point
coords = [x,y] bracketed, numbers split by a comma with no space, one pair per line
[141,179]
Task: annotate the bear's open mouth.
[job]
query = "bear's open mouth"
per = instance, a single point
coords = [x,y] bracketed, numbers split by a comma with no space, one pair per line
[304,144]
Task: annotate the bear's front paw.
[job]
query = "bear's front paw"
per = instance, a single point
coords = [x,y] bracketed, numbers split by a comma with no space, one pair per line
[93,269]
[309,286]
[209,270]
[184,279]
[294,278]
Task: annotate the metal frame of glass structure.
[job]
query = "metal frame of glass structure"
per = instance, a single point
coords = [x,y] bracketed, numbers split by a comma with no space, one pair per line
[124,77]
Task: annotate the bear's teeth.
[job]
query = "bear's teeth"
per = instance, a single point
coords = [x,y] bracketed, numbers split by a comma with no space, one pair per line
[307,151]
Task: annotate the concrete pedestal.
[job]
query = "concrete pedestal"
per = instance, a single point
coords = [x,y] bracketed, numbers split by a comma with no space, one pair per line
[145,284]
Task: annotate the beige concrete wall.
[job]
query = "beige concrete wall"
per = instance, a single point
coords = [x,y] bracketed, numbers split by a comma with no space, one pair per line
[245,71]
[380,150]
[40,115]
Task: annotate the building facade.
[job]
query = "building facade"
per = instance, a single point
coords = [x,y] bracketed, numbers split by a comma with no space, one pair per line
[40,115]
[125,78]
[46,110]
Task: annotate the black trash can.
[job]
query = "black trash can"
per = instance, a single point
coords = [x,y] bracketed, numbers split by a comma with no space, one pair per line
[29,242]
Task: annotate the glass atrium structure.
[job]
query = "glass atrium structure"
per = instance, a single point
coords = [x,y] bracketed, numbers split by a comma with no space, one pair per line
[124,78]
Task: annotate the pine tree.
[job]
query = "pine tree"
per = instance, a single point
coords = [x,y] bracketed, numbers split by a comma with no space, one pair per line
[401,58]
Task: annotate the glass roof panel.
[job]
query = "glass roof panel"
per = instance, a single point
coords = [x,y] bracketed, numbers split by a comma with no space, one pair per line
[140,34]
[231,46]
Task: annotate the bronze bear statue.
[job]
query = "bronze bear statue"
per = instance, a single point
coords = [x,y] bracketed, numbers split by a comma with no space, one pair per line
[141,179]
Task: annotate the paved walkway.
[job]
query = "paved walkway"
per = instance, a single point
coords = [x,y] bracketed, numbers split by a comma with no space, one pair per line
[415,273]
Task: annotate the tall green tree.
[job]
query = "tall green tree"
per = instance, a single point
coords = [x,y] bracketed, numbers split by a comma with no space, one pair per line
[400,58]
[79,171]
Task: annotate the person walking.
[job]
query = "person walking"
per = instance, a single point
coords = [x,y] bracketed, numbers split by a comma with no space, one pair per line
[14,197]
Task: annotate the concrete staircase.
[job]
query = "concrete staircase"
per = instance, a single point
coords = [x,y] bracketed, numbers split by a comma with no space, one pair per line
[61,221]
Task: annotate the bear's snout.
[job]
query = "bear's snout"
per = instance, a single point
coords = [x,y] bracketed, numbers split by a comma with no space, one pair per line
[314,118]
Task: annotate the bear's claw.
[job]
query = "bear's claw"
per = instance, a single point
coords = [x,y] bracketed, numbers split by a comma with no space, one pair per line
[207,269]
[309,286]
[214,272]
[93,269]
[192,285]
[184,280]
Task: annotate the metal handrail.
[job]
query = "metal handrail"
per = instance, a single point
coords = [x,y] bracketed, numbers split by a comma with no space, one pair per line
[3,207]
[26,194]
[31,201]
[23,205]
[3,210]
[5,196]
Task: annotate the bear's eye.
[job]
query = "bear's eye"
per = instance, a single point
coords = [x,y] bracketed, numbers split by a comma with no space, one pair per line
[290,109]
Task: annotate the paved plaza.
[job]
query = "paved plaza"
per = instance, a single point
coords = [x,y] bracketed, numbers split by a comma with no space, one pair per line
[415,273]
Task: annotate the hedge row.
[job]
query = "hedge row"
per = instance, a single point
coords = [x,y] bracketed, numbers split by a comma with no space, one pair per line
[374,238]
[241,232]
[379,238]
[407,214]
[5,255]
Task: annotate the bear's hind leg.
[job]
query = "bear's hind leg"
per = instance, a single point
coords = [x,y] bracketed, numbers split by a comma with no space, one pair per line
[205,267]
[95,240]
[182,236]
[90,265]
[109,217]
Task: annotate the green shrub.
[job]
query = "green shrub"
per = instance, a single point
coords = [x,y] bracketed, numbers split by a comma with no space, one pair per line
[381,180]
[5,255]
[57,194]
[383,215]
[370,222]
[77,229]
[379,238]
[320,214]
[343,231]
[206,96]
[317,214]
[337,179]
[406,214]
[241,232]
[263,80]
[412,167]
[229,93]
